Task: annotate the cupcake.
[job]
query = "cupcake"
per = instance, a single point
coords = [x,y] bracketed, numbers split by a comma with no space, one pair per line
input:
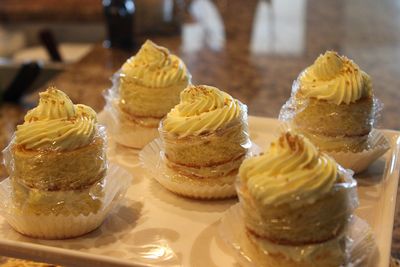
[292,197]
[333,104]
[205,138]
[146,88]
[57,164]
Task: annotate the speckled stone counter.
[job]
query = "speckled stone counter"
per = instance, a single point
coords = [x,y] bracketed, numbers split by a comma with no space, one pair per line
[255,50]
[50,10]
[259,67]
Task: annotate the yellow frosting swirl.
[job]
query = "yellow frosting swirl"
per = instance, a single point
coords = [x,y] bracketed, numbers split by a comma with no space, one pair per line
[202,109]
[292,171]
[154,66]
[336,79]
[56,124]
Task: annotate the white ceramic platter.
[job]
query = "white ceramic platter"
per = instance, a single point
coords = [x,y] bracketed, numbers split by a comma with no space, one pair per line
[155,227]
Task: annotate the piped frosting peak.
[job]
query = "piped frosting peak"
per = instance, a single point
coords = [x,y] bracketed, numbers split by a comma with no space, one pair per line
[292,171]
[155,66]
[56,124]
[336,79]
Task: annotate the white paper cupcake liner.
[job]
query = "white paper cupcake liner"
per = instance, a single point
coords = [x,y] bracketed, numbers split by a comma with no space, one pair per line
[152,161]
[360,161]
[356,161]
[116,183]
[232,230]
[199,190]
[127,133]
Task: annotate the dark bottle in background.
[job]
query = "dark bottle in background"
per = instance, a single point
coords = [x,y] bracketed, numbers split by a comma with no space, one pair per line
[120,19]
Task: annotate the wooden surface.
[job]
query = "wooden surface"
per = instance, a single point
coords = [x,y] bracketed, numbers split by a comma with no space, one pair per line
[364,30]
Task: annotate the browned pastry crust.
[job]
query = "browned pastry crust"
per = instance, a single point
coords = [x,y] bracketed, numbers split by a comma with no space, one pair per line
[63,170]
[314,223]
[207,149]
[329,119]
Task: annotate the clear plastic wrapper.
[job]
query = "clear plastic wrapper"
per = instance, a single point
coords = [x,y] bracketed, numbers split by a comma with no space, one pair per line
[354,247]
[331,119]
[125,129]
[343,131]
[58,194]
[189,186]
[378,144]
[204,165]
[137,130]
[52,170]
[312,223]
[209,155]
[358,162]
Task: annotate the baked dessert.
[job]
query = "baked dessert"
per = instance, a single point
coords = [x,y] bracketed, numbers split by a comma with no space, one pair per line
[333,104]
[332,253]
[57,159]
[294,196]
[148,87]
[205,137]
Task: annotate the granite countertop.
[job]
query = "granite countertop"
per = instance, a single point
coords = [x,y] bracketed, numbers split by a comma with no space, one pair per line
[255,54]
[50,10]
[254,51]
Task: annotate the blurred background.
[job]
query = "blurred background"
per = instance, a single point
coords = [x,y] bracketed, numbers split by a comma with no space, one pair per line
[252,49]
[57,33]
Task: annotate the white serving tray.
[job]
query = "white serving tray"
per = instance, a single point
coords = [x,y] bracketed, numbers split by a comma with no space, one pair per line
[155,227]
